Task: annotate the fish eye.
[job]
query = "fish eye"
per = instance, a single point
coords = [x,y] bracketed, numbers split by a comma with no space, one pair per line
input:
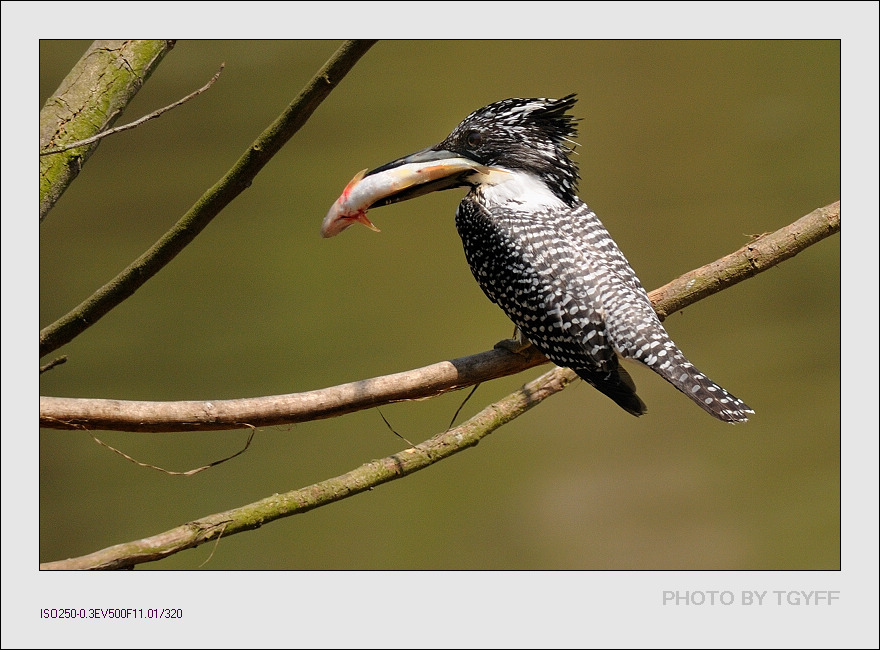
[474,139]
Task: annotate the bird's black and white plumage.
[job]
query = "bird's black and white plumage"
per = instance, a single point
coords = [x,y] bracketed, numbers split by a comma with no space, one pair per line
[538,251]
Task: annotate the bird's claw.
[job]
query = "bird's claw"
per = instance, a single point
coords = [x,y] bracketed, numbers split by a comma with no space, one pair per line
[516,345]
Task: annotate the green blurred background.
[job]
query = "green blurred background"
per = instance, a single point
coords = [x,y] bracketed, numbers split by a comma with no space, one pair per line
[687,149]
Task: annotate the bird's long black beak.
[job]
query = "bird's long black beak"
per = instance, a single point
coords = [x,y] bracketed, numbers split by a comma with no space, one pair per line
[420,173]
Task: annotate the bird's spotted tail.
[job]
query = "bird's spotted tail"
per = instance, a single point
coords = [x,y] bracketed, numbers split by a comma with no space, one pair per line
[706,393]
[681,373]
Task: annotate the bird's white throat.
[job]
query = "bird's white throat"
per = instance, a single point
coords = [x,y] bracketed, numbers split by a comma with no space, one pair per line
[501,186]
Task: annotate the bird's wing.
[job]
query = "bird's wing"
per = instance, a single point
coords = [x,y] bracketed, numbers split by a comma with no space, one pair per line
[586,233]
[633,327]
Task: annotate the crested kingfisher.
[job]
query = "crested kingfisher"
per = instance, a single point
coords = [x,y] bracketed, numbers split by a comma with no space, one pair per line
[537,250]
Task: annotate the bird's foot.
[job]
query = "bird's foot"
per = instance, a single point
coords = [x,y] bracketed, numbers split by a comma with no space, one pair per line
[517,345]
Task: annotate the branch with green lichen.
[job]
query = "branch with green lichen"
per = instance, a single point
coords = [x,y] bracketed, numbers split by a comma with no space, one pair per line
[89,100]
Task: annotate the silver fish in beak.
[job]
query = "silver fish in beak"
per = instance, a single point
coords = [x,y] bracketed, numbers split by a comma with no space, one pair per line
[420,173]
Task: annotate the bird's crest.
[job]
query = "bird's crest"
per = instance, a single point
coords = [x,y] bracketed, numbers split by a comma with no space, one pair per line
[535,135]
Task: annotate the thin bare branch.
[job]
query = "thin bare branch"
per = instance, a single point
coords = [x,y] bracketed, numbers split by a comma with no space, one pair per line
[94,414]
[136,123]
[430,381]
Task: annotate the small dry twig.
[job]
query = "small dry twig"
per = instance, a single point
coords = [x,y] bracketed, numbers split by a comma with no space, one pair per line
[55,362]
[190,472]
[136,123]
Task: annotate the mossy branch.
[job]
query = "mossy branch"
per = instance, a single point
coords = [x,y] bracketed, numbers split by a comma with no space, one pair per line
[89,100]
[762,253]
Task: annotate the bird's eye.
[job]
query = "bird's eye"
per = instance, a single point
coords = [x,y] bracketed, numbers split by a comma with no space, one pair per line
[474,139]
